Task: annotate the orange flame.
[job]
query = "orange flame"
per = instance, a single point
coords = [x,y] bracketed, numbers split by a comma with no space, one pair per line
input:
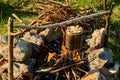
[76,55]
[50,55]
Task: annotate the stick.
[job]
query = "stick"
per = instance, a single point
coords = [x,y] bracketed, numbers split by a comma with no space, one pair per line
[65,67]
[15,16]
[18,33]
[67,73]
[107,21]
[68,22]
[82,70]
[24,30]
[51,69]
[10,49]
[27,12]
[74,74]
[56,2]
[105,5]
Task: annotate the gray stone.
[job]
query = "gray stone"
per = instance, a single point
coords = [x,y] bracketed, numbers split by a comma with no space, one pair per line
[36,42]
[98,39]
[51,34]
[21,51]
[100,58]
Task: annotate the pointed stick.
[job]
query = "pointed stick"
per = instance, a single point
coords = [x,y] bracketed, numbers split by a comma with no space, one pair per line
[10,49]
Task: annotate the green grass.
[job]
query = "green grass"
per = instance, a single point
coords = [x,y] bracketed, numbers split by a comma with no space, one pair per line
[115,18]
[6,11]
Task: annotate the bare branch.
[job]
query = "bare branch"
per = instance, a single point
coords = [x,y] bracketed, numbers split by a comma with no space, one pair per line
[68,22]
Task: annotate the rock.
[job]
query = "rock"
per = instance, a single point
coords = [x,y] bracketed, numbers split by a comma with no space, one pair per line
[111,70]
[3,38]
[33,38]
[36,42]
[100,58]
[94,75]
[19,69]
[21,51]
[98,39]
[51,34]
[31,63]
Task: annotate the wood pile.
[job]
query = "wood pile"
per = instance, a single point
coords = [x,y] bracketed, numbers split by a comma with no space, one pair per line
[54,12]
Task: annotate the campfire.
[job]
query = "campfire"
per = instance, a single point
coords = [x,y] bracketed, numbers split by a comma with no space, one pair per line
[69,59]
[69,52]
[70,46]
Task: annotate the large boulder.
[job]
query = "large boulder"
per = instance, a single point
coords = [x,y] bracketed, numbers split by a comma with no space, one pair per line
[21,51]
